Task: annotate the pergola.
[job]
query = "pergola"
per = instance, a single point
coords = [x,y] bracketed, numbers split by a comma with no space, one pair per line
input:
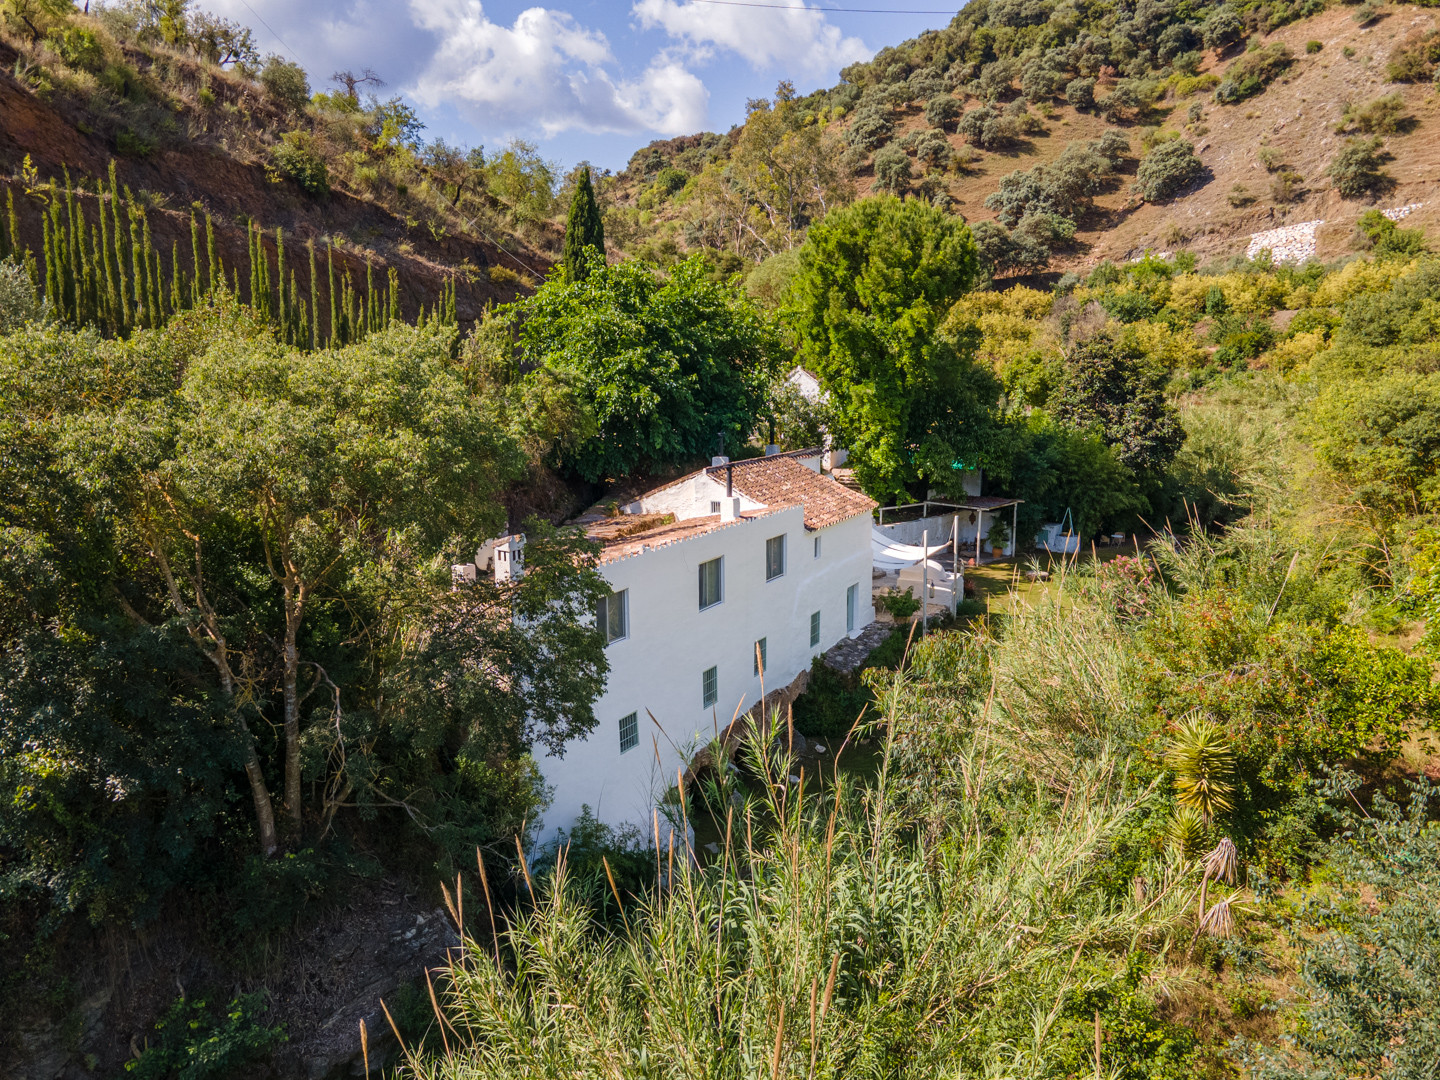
[990,504]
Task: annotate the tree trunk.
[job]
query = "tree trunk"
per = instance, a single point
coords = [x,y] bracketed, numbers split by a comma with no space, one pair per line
[264,810]
[294,610]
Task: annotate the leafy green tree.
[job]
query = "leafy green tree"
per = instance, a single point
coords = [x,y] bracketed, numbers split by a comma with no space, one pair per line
[661,363]
[260,542]
[583,229]
[876,280]
[1110,386]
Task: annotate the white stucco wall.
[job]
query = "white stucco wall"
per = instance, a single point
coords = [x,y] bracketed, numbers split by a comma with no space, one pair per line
[660,663]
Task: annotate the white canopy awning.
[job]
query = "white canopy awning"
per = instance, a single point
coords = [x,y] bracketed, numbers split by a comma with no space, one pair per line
[889,555]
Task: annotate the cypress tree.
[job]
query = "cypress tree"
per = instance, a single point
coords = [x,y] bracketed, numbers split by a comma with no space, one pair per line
[195,278]
[7,245]
[283,308]
[112,297]
[583,228]
[137,270]
[334,299]
[212,257]
[314,313]
[177,302]
[52,269]
[393,315]
[152,275]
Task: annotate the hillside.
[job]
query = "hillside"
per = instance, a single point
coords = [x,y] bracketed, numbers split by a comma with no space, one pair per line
[1264,157]
[193,120]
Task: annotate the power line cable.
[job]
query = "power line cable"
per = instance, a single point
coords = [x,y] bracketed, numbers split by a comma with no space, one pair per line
[827,10]
[277,37]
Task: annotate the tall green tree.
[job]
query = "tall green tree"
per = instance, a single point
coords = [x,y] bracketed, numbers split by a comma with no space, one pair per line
[583,229]
[660,364]
[263,538]
[876,280]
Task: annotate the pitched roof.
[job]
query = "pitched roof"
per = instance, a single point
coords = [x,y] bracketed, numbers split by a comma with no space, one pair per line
[780,480]
[632,534]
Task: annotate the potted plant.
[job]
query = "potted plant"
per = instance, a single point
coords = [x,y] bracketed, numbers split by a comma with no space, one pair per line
[999,536]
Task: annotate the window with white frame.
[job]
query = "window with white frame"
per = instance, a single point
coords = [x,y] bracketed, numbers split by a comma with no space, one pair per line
[612,615]
[814,628]
[774,557]
[852,605]
[629,732]
[712,583]
[709,687]
[759,657]
[714,506]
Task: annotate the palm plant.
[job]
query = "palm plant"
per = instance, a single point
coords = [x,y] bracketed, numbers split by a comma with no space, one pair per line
[1204,765]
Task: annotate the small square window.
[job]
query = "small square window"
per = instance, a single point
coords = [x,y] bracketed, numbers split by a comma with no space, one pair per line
[711,583]
[612,615]
[714,506]
[814,628]
[774,557]
[852,605]
[709,687]
[817,547]
[629,732]
[760,657]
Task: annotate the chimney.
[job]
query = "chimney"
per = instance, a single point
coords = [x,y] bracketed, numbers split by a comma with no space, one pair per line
[729,479]
[729,508]
[718,460]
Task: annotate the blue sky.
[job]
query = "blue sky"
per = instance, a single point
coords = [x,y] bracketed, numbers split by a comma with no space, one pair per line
[585,79]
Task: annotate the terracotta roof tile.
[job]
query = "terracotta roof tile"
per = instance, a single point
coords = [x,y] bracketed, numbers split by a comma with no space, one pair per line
[630,534]
[782,481]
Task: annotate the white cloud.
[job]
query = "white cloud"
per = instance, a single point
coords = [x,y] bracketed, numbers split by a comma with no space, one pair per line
[795,37]
[546,71]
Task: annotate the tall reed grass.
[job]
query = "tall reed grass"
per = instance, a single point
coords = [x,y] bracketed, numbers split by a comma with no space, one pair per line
[945,920]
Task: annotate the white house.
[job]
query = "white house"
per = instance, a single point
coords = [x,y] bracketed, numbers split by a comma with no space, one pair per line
[766,556]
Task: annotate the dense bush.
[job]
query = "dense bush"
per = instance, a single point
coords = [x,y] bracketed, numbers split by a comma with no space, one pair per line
[1358,169]
[1081,93]
[1168,169]
[296,158]
[1066,187]
[1414,59]
[892,168]
[286,83]
[1386,115]
[1252,72]
[942,112]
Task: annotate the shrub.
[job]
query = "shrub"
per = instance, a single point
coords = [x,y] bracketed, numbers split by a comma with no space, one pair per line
[1356,169]
[942,111]
[931,150]
[1168,169]
[1312,47]
[1222,28]
[286,83]
[892,168]
[502,275]
[1366,14]
[1286,187]
[989,130]
[1270,158]
[1253,72]
[19,301]
[1414,59]
[1384,116]
[1002,251]
[1240,196]
[869,130]
[296,158]
[1081,93]
[129,144]
[78,47]
[200,1042]
[1387,239]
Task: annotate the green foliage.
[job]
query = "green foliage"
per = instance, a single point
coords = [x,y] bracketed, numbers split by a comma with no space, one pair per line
[1204,766]
[19,301]
[875,281]
[1080,93]
[1358,168]
[198,1041]
[286,83]
[892,168]
[1389,240]
[1252,72]
[1106,384]
[831,703]
[1368,970]
[1414,58]
[901,605]
[583,230]
[943,111]
[1168,169]
[1065,188]
[1386,115]
[661,364]
[296,158]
